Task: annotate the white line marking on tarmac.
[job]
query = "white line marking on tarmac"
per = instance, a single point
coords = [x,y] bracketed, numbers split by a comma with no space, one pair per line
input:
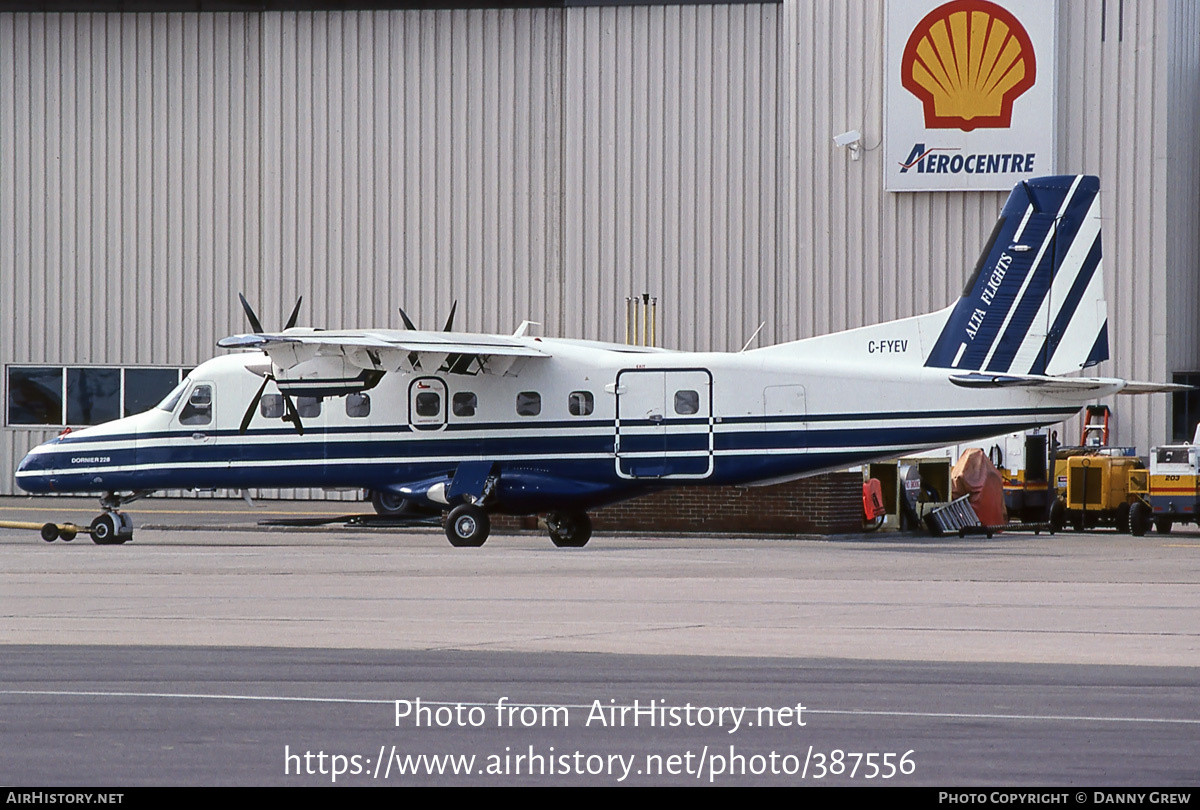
[383,702]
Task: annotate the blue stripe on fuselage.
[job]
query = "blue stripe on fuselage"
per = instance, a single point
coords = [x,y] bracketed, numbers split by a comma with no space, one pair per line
[741,457]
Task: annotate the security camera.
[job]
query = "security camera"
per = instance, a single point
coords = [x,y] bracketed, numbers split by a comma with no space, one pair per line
[848,138]
[852,140]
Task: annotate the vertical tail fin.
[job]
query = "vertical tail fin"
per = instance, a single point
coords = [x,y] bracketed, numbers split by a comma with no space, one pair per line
[1035,303]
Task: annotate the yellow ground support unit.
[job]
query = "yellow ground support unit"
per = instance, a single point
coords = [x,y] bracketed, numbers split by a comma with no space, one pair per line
[1096,487]
[1173,495]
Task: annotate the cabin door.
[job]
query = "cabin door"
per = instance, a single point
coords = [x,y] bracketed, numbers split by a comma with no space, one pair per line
[664,423]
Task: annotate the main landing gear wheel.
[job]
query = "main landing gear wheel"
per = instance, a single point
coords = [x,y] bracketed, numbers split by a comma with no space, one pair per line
[467,526]
[111,529]
[388,504]
[569,529]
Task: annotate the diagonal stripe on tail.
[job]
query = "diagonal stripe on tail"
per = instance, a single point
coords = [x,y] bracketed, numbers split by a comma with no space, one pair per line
[1035,303]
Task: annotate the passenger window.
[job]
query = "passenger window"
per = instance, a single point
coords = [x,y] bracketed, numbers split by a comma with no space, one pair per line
[465,403]
[271,406]
[687,402]
[358,406]
[580,403]
[198,410]
[529,403]
[428,404]
[308,407]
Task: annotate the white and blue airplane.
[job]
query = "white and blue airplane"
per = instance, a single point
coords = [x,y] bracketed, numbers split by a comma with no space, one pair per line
[478,424]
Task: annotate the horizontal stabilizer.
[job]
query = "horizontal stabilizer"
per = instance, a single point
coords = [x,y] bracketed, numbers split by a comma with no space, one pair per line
[1134,387]
[1101,385]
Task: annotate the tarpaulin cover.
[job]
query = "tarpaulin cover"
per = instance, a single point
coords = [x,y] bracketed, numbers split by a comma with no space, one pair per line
[975,475]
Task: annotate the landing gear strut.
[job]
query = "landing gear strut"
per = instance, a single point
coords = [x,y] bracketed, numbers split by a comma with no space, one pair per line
[113,527]
[569,529]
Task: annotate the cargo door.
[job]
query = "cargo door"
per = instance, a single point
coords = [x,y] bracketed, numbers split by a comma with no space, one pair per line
[664,423]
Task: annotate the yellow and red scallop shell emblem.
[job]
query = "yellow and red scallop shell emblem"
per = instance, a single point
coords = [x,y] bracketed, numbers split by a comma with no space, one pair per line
[968,61]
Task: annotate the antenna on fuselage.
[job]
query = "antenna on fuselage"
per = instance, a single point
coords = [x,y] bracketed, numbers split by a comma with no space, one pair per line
[752,337]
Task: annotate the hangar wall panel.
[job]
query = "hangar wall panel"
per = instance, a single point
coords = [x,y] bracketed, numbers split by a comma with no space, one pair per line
[671,144]
[1183,176]
[408,162]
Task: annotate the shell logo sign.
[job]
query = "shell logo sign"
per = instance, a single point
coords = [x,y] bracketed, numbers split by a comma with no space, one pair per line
[968,61]
[969,93]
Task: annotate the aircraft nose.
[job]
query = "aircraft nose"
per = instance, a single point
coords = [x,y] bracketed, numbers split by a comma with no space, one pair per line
[31,475]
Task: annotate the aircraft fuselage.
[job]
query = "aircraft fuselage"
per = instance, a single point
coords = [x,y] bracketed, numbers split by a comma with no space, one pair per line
[589,425]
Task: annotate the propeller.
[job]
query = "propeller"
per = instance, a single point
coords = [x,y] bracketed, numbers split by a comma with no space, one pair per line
[414,359]
[290,413]
[256,324]
[408,324]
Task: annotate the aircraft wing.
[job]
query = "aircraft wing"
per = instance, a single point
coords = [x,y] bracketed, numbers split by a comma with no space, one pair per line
[445,342]
[388,350]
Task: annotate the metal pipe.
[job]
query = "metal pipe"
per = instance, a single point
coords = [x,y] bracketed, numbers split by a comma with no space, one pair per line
[646,320]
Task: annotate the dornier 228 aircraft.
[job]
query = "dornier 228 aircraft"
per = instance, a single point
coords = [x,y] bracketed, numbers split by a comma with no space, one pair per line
[478,424]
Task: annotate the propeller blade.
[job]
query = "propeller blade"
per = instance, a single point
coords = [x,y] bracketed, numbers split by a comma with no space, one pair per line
[450,321]
[408,324]
[255,326]
[254,404]
[290,414]
[295,312]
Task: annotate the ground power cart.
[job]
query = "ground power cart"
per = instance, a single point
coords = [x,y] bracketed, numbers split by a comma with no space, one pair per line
[1097,486]
[1174,492]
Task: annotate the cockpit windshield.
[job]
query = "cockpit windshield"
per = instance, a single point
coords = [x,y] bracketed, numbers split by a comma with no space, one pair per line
[172,399]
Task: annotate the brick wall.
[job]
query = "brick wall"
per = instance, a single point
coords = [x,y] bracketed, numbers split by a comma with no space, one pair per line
[823,504]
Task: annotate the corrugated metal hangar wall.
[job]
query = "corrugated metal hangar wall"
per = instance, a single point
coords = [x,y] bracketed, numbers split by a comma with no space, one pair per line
[542,164]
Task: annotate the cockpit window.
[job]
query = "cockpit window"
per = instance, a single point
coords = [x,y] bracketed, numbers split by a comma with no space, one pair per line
[198,410]
[172,399]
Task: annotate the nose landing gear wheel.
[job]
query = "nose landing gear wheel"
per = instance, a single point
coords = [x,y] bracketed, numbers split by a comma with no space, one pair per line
[104,530]
[111,529]
[569,529]
[467,526]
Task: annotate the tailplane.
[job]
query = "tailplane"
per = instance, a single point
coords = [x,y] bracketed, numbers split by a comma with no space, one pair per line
[1035,303]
